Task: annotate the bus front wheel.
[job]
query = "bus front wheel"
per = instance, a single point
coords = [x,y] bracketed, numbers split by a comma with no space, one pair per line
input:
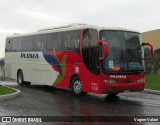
[76,86]
[112,94]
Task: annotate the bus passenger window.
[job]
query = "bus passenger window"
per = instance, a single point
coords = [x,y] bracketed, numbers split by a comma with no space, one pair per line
[86,38]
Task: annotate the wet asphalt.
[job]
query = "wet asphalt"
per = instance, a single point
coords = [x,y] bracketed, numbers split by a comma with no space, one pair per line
[40,100]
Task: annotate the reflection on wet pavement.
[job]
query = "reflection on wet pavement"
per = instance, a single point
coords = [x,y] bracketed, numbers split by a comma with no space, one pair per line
[40,100]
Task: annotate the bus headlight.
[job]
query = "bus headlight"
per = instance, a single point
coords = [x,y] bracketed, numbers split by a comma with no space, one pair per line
[110,81]
[141,80]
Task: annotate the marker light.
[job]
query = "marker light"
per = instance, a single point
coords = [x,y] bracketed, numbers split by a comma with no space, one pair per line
[116,68]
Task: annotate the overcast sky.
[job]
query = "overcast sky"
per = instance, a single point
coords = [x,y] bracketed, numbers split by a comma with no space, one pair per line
[22,16]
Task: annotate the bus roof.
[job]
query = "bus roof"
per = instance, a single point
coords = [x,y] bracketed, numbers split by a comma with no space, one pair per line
[70,27]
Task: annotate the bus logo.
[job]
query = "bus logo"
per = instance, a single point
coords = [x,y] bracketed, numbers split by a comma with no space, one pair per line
[118,76]
[57,65]
[30,55]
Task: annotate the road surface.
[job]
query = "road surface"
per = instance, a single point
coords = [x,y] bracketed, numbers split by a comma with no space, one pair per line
[40,100]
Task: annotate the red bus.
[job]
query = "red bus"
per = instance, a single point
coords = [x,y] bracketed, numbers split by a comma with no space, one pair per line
[80,57]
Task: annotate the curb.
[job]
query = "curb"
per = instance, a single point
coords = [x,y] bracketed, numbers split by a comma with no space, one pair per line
[151,91]
[10,96]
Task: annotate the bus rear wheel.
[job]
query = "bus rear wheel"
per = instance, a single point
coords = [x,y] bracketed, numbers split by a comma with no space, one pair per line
[76,86]
[20,79]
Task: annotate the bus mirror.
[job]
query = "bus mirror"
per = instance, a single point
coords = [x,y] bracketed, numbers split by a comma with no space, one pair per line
[148,51]
[104,49]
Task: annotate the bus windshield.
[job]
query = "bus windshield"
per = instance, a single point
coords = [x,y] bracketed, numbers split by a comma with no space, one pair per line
[125,53]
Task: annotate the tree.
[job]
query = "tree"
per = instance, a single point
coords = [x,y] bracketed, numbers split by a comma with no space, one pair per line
[153,65]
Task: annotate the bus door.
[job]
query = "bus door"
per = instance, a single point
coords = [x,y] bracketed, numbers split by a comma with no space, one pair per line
[90,53]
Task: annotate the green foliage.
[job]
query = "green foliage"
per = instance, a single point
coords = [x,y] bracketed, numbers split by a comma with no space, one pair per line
[153,65]
[5,90]
[153,82]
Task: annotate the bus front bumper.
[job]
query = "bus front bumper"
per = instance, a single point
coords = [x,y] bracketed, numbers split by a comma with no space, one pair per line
[123,87]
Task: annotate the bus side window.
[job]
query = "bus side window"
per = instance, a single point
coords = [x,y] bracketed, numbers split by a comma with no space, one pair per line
[19,44]
[90,37]
[16,46]
[49,42]
[27,43]
[77,44]
[69,40]
[59,43]
[35,48]
[65,40]
[86,38]
[41,41]
[77,41]
[93,37]
[73,40]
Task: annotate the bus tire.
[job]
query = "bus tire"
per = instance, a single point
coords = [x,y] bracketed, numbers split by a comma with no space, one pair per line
[76,86]
[20,79]
[112,94]
[27,83]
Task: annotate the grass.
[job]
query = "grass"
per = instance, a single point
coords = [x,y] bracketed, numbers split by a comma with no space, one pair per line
[153,82]
[5,90]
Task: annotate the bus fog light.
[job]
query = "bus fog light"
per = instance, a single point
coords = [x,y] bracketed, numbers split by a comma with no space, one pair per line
[141,80]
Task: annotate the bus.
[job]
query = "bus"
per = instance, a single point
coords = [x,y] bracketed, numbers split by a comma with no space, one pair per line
[79,57]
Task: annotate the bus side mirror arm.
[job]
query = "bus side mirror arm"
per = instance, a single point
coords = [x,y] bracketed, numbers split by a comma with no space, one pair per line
[104,49]
[152,50]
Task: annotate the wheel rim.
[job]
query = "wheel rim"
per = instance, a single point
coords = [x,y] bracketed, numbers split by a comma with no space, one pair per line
[77,86]
[20,78]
